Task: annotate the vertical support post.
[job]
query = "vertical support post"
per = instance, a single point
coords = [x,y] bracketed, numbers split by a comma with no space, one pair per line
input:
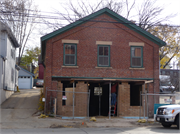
[179,92]
[55,107]
[99,102]
[88,103]
[73,100]
[45,102]
[144,100]
[110,100]
[146,106]
[140,106]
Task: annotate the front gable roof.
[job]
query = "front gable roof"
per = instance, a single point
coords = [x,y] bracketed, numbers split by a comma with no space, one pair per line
[112,14]
[22,69]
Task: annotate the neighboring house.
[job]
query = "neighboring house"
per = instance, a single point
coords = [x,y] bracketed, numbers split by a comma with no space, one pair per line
[8,70]
[92,54]
[41,68]
[25,79]
[174,76]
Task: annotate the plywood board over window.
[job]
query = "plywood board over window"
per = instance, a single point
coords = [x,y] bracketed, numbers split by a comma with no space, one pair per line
[69,96]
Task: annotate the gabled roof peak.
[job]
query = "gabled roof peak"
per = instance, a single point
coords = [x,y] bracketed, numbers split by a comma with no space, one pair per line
[114,15]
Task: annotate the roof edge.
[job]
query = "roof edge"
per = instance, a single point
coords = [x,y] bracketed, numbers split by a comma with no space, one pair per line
[7,29]
[27,71]
[116,16]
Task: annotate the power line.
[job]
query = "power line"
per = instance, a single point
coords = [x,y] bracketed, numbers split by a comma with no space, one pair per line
[62,25]
[85,20]
[62,18]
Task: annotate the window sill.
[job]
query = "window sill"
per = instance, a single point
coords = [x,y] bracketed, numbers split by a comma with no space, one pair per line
[70,66]
[137,68]
[104,67]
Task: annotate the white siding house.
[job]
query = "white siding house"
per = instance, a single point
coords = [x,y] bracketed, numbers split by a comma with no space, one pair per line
[8,69]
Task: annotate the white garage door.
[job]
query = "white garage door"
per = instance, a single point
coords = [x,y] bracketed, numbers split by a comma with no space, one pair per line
[24,82]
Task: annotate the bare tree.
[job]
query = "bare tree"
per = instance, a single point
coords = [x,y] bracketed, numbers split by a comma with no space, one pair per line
[20,16]
[147,15]
[82,9]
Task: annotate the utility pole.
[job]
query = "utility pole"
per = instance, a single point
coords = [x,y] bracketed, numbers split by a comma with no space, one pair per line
[179,91]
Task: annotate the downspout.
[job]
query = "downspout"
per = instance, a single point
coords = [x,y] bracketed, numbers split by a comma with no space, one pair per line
[153,75]
[15,79]
[4,73]
[110,100]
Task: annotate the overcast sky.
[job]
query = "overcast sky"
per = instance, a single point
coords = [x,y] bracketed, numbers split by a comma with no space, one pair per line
[171,6]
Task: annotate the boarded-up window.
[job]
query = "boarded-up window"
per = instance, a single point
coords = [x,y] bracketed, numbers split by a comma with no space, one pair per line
[69,96]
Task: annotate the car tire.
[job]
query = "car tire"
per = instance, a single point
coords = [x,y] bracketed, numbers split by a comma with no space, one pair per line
[166,125]
[177,121]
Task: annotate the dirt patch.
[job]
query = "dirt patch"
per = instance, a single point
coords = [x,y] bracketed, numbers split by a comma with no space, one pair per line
[149,123]
[74,125]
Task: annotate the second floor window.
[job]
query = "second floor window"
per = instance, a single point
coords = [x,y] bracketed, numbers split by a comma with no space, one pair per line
[104,56]
[70,54]
[136,56]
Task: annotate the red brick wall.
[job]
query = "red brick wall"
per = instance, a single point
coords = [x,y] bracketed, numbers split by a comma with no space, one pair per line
[41,71]
[90,32]
[87,52]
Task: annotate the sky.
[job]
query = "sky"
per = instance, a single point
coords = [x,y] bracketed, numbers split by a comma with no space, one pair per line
[171,7]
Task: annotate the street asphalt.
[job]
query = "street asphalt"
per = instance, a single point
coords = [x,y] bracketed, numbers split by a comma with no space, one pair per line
[127,130]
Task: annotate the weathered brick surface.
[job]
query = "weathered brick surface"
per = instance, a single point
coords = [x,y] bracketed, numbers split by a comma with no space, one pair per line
[124,108]
[81,99]
[87,34]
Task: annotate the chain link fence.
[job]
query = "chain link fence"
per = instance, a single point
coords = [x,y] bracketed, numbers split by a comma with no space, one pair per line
[67,104]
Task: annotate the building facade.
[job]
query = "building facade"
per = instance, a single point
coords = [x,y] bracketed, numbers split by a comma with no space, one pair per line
[8,70]
[93,54]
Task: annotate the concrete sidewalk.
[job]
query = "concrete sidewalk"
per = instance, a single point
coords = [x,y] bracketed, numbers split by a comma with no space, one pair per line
[57,122]
[105,122]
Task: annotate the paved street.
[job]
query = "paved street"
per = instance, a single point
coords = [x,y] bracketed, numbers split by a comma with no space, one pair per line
[129,130]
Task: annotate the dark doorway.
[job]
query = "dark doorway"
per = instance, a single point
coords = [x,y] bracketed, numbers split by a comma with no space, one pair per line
[99,102]
[135,90]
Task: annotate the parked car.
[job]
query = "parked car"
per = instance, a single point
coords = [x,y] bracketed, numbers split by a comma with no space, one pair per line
[165,84]
[168,115]
[39,83]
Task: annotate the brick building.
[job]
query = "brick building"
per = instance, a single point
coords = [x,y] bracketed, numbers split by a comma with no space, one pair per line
[94,53]
[41,68]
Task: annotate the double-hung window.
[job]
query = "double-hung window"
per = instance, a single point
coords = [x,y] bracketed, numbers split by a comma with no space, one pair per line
[70,54]
[103,55]
[137,56]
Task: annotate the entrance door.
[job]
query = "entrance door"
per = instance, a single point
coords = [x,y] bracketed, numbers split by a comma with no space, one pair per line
[99,101]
